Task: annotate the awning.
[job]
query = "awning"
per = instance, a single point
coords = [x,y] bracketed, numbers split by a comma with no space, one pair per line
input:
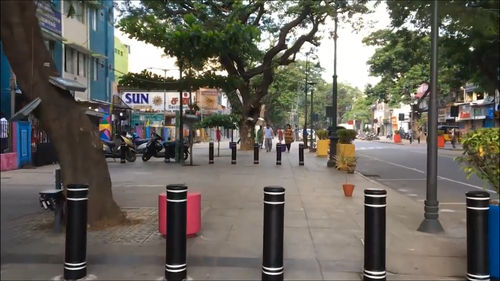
[99,56]
[119,103]
[51,35]
[77,47]
[67,84]
[26,110]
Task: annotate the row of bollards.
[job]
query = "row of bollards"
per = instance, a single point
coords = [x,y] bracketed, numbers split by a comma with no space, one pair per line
[232,145]
[75,265]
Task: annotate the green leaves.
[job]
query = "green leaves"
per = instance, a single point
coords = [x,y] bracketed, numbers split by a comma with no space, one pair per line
[481,155]
[219,120]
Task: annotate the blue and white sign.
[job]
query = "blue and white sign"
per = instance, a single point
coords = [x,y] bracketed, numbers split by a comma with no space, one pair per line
[155,101]
[48,17]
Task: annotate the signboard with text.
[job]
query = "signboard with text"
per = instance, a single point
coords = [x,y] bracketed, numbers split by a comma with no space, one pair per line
[154,101]
[48,17]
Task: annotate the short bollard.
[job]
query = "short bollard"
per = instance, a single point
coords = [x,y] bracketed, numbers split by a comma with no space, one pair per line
[256,153]
[233,152]
[278,154]
[374,266]
[75,263]
[58,179]
[477,235]
[175,264]
[301,154]
[123,150]
[272,256]
[166,158]
[210,153]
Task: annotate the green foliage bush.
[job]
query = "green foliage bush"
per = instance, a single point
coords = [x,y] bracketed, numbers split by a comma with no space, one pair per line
[481,155]
[346,136]
[396,132]
[219,120]
[440,132]
[322,134]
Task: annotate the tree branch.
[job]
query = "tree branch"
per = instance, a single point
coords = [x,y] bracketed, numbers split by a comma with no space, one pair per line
[284,59]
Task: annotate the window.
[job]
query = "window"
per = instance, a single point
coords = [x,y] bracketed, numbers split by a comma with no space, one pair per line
[50,45]
[95,62]
[81,64]
[94,19]
[69,65]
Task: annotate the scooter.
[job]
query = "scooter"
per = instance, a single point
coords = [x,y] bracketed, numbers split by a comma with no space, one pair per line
[140,144]
[112,149]
[155,148]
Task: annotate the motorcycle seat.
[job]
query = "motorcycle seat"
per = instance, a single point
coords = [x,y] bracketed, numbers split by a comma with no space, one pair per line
[141,141]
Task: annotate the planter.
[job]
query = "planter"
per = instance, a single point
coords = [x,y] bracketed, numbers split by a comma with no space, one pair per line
[322,148]
[493,237]
[348,189]
[397,138]
[344,151]
[440,141]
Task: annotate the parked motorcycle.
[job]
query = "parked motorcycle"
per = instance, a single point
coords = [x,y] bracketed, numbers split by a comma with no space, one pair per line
[112,149]
[155,148]
[140,144]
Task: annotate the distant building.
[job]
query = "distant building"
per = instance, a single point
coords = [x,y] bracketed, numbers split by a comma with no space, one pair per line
[121,58]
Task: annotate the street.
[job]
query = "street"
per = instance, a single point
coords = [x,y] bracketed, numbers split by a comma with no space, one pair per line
[403,168]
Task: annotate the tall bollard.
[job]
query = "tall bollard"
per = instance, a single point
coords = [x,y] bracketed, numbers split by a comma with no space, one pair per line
[272,256]
[301,154]
[123,150]
[75,263]
[278,154]
[233,152]
[477,235]
[210,152]
[256,153]
[175,265]
[58,179]
[375,202]
[167,153]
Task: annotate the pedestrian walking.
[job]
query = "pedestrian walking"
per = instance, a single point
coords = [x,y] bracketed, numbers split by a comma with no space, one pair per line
[4,136]
[288,137]
[268,135]
[260,136]
[453,139]
[280,135]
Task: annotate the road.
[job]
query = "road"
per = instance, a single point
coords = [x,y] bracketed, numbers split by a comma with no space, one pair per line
[403,168]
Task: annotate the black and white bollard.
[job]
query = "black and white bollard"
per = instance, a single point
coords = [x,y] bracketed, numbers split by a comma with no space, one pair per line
[233,152]
[75,263]
[123,150]
[477,235]
[272,256]
[256,153]
[301,154]
[278,154]
[167,152]
[375,203]
[175,265]
[210,152]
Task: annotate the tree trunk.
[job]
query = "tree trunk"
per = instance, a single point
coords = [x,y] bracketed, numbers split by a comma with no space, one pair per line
[247,135]
[75,138]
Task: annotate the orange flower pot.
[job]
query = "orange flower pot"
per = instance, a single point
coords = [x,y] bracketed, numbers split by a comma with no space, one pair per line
[397,138]
[440,141]
[348,189]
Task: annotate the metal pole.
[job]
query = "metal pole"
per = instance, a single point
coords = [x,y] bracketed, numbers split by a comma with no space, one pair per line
[272,256]
[304,132]
[175,264]
[301,154]
[75,264]
[167,152]
[256,153]
[431,222]
[374,260]
[181,123]
[58,180]
[312,125]
[233,152]
[333,126]
[211,152]
[278,154]
[123,151]
[477,235]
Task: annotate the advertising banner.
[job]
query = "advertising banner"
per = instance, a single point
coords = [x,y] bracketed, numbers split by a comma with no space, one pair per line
[154,101]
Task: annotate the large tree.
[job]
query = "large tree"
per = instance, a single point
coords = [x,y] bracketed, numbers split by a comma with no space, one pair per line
[76,140]
[247,39]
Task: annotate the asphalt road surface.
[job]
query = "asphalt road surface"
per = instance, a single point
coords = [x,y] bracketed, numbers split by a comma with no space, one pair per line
[403,168]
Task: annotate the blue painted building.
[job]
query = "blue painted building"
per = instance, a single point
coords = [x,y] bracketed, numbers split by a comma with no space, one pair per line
[101,35]
[6,74]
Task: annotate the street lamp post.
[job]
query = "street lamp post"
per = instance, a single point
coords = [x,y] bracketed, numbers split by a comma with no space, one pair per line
[431,222]
[333,126]
[304,132]
[312,113]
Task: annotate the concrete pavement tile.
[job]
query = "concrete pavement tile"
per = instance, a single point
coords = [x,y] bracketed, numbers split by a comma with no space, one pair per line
[236,249]
[295,219]
[234,273]
[331,268]
[408,264]
[302,270]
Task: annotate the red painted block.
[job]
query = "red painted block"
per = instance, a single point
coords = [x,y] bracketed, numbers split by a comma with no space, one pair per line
[193,213]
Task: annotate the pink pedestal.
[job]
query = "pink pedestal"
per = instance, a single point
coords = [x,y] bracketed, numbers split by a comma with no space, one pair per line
[8,161]
[193,213]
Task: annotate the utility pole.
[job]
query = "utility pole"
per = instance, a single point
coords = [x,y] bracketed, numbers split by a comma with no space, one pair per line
[333,126]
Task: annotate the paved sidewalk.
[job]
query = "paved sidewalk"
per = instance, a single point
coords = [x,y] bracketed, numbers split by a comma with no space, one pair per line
[323,229]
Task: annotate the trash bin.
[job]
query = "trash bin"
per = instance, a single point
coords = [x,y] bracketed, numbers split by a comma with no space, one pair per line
[53,199]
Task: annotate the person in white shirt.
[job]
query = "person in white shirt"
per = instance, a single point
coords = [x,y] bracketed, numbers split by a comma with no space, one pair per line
[4,137]
[268,135]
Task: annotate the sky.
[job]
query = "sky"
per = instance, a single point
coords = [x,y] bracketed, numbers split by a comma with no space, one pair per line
[352,54]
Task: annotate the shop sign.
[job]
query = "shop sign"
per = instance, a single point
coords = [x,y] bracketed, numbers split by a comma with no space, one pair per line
[153,101]
[442,115]
[48,17]
[464,112]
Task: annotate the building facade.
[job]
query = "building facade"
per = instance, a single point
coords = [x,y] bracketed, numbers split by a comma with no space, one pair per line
[121,59]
